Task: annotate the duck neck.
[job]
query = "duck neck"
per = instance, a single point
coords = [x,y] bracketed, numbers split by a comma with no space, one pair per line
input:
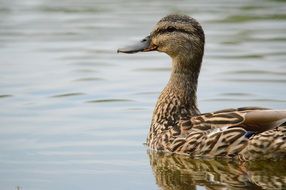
[178,99]
[183,82]
[189,67]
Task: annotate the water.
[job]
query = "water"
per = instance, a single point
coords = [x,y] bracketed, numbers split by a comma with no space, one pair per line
[74,114]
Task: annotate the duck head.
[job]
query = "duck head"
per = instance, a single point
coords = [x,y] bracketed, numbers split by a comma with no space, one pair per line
[179,36]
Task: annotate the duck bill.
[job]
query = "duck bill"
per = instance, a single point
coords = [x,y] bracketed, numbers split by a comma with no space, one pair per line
[141,46]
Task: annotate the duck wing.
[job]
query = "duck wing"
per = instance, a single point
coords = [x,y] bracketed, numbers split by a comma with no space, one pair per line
[245,132]
[252,119]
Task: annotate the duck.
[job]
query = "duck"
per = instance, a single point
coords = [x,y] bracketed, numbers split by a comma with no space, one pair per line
[178,126]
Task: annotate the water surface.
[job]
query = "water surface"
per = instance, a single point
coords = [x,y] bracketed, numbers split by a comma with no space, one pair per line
[74,114]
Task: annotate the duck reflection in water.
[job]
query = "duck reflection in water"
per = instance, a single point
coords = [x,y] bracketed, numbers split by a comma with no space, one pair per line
[178,172]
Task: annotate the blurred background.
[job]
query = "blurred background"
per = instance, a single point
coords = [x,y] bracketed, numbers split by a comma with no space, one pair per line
[74,114]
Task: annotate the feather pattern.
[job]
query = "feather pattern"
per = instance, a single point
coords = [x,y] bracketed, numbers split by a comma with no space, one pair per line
[229,133]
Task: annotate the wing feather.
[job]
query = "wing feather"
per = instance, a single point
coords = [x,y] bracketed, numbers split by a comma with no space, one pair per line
[249,118]
[247,132]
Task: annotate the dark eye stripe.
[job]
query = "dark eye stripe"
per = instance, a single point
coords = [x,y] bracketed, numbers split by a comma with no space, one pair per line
[170,30]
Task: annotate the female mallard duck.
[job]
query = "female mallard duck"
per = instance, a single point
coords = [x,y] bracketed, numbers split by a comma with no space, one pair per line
[177,126]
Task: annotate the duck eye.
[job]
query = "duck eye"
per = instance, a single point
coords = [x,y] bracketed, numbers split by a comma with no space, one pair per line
[171,29]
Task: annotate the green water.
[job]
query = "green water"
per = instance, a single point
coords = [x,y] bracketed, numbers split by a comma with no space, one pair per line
[74,114]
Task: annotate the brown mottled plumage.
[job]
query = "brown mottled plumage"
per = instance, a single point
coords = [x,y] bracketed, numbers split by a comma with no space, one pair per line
[177,125]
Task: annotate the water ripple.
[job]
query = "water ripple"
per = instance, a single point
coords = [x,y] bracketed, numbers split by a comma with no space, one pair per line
[5,95]
[67,95]
[108,100]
